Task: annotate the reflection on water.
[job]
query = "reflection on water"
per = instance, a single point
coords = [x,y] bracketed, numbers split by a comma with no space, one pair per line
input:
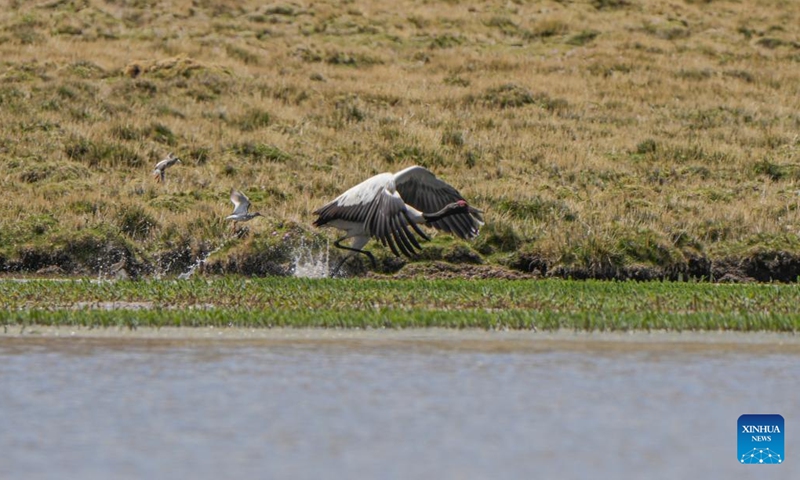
[146,409]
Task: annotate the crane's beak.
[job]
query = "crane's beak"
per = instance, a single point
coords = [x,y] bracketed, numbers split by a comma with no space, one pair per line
[477,213]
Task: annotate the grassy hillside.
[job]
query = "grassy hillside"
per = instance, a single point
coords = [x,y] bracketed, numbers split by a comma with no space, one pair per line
[637,138]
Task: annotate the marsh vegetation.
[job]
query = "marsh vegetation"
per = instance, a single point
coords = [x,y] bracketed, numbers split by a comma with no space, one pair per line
[381,303]
[605,139]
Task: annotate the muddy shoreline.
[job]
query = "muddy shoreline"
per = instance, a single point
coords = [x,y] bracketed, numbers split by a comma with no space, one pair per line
[429,339]
[120,262]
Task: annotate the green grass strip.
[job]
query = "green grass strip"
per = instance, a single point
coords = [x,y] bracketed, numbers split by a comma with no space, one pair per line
[398,319]
[360,303]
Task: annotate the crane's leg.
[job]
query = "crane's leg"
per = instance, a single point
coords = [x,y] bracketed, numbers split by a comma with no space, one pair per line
[335,271]
[357,244]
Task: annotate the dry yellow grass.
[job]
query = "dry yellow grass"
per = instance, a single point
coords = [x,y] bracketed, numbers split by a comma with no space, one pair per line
[595,134]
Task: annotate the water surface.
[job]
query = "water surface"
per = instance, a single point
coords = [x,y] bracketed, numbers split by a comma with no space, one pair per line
[434,404]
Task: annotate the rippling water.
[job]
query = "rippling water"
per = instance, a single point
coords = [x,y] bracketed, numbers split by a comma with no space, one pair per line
[146,408]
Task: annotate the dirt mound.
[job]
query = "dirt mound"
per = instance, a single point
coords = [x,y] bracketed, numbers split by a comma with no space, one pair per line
[442,270]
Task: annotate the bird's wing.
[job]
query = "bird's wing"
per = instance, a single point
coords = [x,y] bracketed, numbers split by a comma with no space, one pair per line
[388,221]
[422,190]
[240,203]
[354,204]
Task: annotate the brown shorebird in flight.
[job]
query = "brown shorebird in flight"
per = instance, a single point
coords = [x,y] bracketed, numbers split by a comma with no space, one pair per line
[240,206]
[163,165]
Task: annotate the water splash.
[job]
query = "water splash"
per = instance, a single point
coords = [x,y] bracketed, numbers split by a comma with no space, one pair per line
[200,261]
[310,264]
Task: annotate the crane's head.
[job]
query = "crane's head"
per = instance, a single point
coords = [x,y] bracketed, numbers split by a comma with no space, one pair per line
[458,207]
[461,206]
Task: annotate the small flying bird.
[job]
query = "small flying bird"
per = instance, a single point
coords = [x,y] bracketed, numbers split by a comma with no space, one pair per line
[386,205]
[118,269]
[163,165]
[240,206]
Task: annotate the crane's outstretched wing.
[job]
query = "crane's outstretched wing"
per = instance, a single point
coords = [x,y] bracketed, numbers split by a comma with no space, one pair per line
[422,190]
[354,204]
[387,220]
[240,203]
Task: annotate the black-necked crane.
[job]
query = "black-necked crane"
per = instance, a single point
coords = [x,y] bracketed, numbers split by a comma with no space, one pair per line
[163,165]
[241,204]
[386,205]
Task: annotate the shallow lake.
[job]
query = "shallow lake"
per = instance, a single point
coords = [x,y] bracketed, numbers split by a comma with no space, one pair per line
[425,404]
